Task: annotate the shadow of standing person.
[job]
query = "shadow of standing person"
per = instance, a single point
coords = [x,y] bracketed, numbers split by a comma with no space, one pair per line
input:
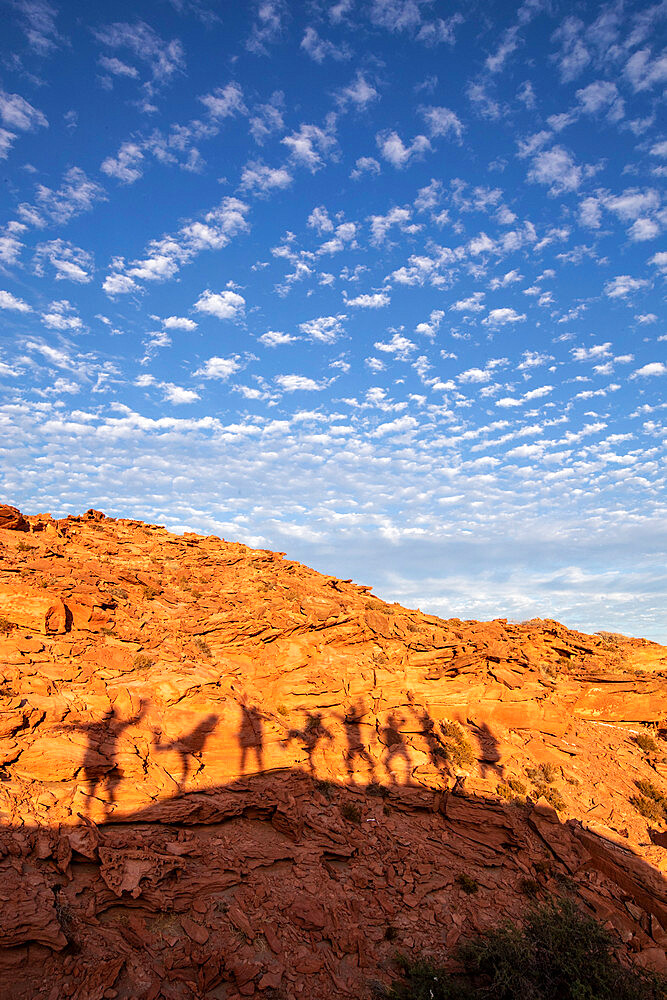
[356,748]
[100,763]
[251,735]
[395,746]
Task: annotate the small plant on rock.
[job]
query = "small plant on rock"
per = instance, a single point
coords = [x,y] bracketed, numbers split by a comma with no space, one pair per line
[646,743]
[142,661]
[456,747]
[558,954]
[351,812]
[467,883]
[202,646]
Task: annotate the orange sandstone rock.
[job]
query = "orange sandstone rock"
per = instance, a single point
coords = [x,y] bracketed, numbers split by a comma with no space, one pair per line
[225,774]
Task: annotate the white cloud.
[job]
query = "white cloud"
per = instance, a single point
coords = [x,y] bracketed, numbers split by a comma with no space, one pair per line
[401,425]
[319,220]
[298,383]
[325,328]
[556,169]
[259,178]
[310,145]
[220,368]
[18,113]
[381,224]
[601,95]
[126,166]
[376,300]
[165,59]
[365,165]
[223,305]
[590,213]
[6,142]
[393,150]
[179,323]
[9,301]
[396,15]
[67,260]
[644,72]
[660,260]
[177,395]
[633,203]
[399,345]
[573,56]
[118,68]
[165,256]
[623,285]
[267,118]
[275,338]
[500,317]
[268,27]
[542,390]
[652,368]
[76,194]
[508,45]
[224,102]
[360,93]
[320,49]
[593,353]
[472,304]
[62,316]
[643,229]
[442,122]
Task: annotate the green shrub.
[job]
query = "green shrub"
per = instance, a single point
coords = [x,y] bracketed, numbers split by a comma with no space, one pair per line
[559,954]
[5,626]
[517,786]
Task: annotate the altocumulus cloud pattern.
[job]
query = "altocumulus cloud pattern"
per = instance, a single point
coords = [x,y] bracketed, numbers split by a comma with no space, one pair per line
[376,282]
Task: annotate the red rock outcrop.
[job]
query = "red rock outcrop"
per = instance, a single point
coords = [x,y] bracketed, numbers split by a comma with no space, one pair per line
[223,774]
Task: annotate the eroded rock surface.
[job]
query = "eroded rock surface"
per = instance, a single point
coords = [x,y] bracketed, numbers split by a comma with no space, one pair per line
[223,774]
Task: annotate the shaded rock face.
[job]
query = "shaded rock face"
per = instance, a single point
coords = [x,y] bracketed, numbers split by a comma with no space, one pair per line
[223,774]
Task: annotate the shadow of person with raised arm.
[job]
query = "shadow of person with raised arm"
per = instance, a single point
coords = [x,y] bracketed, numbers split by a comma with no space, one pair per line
[251,735]
[356,748]
[189,747]
[312,733]
[395,746]
[100,763]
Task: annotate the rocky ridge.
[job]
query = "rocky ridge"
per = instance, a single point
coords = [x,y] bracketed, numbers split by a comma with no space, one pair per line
[223,774]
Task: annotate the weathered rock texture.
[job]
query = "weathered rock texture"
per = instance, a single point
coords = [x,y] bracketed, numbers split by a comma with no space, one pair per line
[224,774]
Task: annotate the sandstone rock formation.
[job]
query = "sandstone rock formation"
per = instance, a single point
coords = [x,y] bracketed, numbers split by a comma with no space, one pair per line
[223,774]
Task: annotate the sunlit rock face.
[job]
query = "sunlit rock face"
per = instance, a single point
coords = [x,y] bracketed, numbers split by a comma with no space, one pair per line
[225,775]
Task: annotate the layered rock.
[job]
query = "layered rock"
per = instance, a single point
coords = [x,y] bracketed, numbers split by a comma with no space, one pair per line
[225,774]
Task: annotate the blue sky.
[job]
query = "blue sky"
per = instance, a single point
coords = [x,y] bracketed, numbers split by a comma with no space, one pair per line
[378,283]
